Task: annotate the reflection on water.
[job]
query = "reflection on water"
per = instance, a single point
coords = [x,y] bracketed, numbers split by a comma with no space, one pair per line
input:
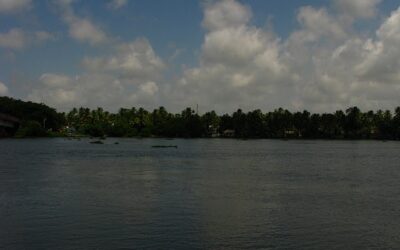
[206,194]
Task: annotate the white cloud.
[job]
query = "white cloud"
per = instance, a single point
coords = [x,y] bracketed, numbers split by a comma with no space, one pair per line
[149,88]
[3,89]
[323,65]
[42,36]
[18,39]
[52,80]
[13,39]
[81,29]
[225,14]
[219,46]
[240,65]
[8,6]
[358,8]
[93,90]
[317,24]
[127,78]
[354,70]
[381,61]
[65,92]
[117,4]
[136,59]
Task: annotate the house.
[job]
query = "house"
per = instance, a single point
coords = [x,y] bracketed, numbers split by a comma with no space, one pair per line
[213,132]
[228,133]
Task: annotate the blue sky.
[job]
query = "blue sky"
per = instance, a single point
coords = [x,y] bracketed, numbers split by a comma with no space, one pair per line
[219,54]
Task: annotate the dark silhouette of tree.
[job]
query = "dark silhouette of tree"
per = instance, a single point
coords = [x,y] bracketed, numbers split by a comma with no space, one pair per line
[396,124]
[280,123]
[32,115]
[353,122]
[211,122]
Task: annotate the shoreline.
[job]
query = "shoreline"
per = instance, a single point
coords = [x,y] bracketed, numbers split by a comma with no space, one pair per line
[195,138]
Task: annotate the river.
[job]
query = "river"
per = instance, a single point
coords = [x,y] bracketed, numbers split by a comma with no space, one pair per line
[204,194]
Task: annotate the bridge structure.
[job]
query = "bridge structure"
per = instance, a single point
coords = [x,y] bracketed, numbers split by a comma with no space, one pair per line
[8,124]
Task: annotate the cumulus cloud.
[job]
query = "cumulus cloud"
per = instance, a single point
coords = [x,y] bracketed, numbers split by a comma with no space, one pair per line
[353,70]
[316,24]
[117,4]
[18,39]
[52,80]
[65,92]
[323,65]
[9,6]
[93,90]
[42,36]
[225,14]
[358,8]
[127,77]
[81,29]
[3,89]
[13,39]
[240,65]
[381,62]
[131,60]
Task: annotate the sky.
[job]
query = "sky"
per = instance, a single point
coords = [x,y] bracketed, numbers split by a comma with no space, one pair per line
[319,55]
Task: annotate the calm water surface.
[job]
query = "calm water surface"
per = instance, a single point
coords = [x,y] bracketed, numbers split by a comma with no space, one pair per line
[206,194]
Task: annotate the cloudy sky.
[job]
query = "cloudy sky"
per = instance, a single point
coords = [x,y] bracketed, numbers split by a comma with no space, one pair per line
[320,55]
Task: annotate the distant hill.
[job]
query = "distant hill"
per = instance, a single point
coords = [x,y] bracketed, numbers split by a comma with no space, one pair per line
[32,113]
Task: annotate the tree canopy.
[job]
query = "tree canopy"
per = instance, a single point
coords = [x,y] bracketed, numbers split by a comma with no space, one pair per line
[35,119]
[138,122]
[280,123]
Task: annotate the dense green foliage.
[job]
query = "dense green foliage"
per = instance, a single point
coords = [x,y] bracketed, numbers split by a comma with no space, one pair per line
[39,119]
[351,124]
[31,129]
[35,119]
[137,122]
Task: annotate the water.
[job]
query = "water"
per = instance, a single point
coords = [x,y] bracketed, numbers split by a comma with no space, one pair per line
[206,194]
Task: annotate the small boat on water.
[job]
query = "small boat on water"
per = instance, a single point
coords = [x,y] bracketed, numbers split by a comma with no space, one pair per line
[164,146]
[96,142]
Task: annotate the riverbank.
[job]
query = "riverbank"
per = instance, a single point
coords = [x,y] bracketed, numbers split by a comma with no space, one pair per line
[78,137]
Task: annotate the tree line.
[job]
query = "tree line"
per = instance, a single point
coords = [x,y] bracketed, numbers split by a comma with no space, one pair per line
[280,123]
[35,119]
[39,119]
